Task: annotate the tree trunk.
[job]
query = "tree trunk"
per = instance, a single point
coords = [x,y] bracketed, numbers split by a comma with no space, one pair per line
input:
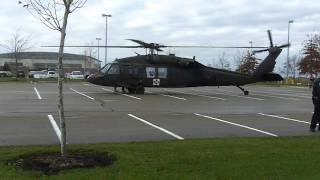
[60,84]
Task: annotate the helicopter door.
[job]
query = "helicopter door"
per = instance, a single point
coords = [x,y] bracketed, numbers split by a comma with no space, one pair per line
[112,74]
[162,75]
[157,76]
[151,75]
[129,75]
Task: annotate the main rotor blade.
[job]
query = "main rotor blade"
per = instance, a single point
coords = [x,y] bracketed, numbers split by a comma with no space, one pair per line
[258,51]
[163,46]
[270,38]
[236,47]
[101,46]
[283,46]
[139,42]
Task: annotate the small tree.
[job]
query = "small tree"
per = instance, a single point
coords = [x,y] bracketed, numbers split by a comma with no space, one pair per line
[16,45]
[6,67]
[248,64]
[54,14]
[223,62]
[292,64]
[310,62]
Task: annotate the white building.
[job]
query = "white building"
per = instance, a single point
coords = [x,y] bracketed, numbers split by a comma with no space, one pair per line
[49,60]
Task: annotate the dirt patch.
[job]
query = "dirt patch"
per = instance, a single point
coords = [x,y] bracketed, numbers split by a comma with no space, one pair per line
[53,163]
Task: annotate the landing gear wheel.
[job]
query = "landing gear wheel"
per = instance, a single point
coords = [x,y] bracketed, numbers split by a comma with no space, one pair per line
[245,92]
[140,90]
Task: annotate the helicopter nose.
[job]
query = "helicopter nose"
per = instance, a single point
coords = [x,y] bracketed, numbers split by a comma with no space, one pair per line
[95,78]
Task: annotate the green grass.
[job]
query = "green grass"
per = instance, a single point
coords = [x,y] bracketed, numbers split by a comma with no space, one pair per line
[225,158]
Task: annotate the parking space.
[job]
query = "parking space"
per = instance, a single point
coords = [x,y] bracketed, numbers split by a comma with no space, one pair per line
[97,114]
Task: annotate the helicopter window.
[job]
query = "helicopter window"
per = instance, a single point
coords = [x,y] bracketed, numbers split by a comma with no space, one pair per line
[105,68]
[114,69]
[151,72]
[162,72]
[132,70]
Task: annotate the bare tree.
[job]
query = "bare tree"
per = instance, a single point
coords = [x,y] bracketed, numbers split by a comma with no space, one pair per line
[223,62]
[292,64]
[54,15]
[17,44]
[88,53]
[237,59]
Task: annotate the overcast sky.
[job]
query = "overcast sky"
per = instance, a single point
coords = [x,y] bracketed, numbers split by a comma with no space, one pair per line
[173,22]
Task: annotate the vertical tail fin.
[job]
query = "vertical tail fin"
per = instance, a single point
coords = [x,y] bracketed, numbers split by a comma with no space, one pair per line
[268,63]
[264,70]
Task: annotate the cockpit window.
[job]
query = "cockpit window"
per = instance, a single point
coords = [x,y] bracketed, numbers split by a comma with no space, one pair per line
[114,69]
[105,68]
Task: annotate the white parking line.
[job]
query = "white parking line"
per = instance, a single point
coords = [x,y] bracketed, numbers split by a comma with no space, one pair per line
[37,92]
[265,95]
[82,94]
[87,84]
[157,127]
[246,97]
[175,97]
[280,117]
[55,127]
[278,97]
[281,94]
[210,97]
[247,127]
[130,96]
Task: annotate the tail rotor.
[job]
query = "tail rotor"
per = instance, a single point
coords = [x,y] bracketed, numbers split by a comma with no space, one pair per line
[270,49]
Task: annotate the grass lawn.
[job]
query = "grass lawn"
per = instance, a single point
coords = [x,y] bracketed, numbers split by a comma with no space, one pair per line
[220,158]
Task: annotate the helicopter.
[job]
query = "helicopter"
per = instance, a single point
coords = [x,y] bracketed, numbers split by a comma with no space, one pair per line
[169,71]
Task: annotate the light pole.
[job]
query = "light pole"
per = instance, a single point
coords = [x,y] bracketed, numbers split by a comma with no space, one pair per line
[251,45]
[98,39]
[106,16]
[289,22]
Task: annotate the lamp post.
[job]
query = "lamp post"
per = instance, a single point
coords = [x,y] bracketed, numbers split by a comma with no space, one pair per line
[98,39]
[289,22]
[251,45]
[106,55]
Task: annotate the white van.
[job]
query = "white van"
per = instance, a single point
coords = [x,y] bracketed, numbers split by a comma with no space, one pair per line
[76,75]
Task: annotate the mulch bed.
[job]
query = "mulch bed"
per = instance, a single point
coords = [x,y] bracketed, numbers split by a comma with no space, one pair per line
[53,163]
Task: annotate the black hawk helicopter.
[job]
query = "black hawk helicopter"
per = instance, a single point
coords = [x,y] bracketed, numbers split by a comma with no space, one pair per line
[153,70]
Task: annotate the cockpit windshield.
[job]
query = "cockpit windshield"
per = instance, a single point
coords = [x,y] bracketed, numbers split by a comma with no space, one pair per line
[114,69]
[105,68]
[111,68]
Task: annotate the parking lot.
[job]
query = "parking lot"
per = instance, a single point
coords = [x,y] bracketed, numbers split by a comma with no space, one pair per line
[97,114]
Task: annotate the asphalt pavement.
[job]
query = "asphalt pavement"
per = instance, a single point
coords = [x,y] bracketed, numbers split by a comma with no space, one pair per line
[96,114]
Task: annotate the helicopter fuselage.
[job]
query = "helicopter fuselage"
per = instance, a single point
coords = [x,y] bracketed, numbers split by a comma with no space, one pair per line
[165,71]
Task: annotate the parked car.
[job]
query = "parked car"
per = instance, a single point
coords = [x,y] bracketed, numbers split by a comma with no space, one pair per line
[31,73]
[5,74]
[76,75]
[52,74]
[21,73]
[40,74]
